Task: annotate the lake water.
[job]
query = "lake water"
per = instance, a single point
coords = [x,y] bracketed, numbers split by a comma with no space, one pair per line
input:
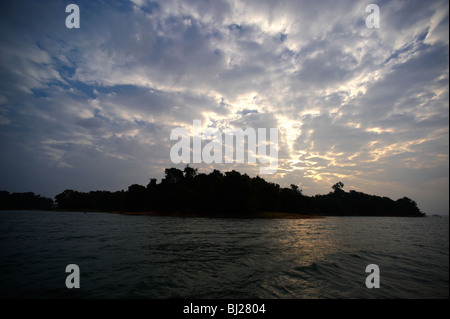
[122,256]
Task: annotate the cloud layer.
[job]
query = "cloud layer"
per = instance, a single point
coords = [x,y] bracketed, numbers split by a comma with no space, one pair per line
[93,108]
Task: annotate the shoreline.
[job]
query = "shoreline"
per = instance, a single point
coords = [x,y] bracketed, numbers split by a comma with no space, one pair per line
[262,215]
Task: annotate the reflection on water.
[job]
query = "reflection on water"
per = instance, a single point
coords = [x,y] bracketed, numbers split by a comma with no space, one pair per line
[171,257]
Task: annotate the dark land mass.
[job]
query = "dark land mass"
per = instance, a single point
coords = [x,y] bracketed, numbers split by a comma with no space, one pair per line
[232,194]
[24,201]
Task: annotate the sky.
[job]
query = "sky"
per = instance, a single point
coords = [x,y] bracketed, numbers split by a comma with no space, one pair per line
[93,108]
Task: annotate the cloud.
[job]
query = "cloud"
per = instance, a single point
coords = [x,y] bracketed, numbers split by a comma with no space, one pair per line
[96,105]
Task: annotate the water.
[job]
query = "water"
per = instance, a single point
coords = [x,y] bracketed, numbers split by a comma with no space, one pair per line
[123,256]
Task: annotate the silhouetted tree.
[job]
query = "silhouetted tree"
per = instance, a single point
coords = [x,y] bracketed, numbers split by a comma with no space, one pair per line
[189,173]
[338,187]
[173,176]
[24,201]
[295,189]
[152,184]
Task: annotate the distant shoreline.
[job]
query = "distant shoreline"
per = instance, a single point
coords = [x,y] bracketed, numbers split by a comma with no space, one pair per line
[189,193]
[262,215]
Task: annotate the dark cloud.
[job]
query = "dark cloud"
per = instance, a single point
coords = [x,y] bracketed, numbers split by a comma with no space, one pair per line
[328,67]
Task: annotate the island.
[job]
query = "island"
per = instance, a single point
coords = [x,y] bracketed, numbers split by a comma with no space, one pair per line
[230,194]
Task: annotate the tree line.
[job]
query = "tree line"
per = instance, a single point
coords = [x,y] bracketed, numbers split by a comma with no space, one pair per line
[24,201]
[230,193]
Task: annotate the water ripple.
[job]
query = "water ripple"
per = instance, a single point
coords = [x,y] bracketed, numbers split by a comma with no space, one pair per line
[169,257]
